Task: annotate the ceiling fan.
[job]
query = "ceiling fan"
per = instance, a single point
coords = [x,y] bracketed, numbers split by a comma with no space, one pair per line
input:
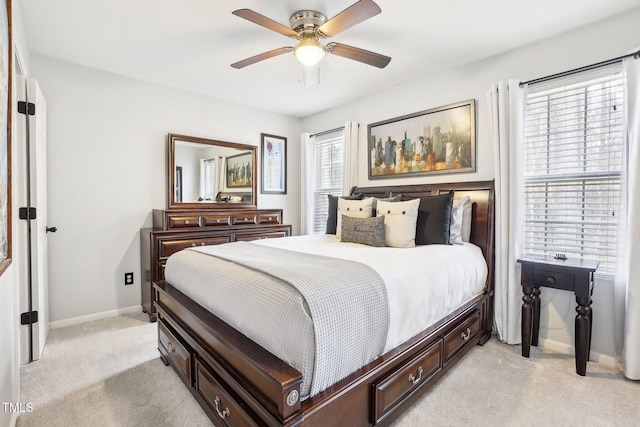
[309,26]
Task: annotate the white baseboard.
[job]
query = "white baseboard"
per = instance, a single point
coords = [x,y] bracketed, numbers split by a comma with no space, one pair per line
[95,316]
[564,348]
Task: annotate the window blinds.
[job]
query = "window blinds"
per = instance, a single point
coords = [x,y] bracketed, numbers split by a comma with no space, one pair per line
[573,156]
[329,157]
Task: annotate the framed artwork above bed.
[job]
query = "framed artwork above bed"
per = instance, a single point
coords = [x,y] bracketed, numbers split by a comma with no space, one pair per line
[431,142]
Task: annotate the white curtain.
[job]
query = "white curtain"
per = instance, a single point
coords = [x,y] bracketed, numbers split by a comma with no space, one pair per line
[628,265]
[308,173]
[506,115]
[350,165]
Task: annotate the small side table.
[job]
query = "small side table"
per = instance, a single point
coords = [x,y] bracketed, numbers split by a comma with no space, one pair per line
[570,275]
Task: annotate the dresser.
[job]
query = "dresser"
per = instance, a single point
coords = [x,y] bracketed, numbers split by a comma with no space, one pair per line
[177,229]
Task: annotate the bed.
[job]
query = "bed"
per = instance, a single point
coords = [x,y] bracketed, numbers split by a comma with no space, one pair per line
[237,381]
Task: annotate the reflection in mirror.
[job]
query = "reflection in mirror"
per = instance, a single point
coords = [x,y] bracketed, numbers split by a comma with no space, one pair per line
[205,173]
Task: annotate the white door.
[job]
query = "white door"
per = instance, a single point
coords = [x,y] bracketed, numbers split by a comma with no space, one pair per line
[32,172]
[39,246]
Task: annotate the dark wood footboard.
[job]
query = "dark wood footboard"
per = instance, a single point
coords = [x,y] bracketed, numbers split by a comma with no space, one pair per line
[237,382]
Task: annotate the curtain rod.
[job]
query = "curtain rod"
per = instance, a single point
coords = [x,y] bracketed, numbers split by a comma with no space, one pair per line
[324,132]
[636,55]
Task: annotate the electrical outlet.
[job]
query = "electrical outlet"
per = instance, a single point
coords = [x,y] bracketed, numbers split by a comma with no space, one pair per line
[128,278]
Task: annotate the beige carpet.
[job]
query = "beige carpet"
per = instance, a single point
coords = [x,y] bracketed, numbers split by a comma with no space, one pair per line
[107,373]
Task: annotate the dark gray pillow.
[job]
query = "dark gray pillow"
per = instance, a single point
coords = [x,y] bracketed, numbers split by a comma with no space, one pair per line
[434,219]
[332,217]
[368,231]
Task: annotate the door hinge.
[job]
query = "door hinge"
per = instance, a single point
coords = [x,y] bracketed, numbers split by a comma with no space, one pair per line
[27,108]
[27,213]
[29,318]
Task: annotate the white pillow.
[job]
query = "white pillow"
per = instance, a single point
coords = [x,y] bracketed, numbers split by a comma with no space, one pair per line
[466,220]
[457,216]
[353,208]
[400,220]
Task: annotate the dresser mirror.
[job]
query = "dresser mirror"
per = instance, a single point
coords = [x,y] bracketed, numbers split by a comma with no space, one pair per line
[208,174]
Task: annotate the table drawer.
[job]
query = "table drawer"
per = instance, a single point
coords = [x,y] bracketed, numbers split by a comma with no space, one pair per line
[461,335]
[170,247]
[406,379]
[175,352]
[554,279]
[215,220]
[220,403]
[184,221]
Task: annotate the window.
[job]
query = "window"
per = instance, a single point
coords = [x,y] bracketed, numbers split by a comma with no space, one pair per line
[328,174]
[573,156]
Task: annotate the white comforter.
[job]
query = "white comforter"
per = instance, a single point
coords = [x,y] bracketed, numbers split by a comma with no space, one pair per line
[423,284]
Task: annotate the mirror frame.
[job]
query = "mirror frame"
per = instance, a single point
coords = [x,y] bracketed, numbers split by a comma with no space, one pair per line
[172,204]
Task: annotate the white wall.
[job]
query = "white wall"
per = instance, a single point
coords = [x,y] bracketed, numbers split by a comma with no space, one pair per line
[595,43]
[107,165]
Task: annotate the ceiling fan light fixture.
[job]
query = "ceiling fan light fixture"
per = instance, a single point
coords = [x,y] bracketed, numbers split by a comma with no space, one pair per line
[309,51]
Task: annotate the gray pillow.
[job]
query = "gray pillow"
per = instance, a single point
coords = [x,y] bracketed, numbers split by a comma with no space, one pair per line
[368,231]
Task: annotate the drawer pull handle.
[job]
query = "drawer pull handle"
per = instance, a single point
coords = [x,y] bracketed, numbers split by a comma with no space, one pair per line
[172,349]
[551,280]
[414,380]
[186,221]
[218,220]
[225,412]
[467,335]
[193,245]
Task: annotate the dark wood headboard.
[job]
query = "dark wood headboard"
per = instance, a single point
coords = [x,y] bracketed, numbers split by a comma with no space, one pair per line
[481,194]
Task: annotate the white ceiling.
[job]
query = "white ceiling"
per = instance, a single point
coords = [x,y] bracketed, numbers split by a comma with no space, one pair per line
[190,44]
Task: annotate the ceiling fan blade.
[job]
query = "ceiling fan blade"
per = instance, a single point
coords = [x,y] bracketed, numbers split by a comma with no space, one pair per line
[269,23]
[261,57]
[357,54]
[354,14]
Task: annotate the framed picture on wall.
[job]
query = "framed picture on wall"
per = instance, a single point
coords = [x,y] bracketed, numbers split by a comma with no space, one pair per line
[274,164]
[240,170]
[431,142]
[6,58]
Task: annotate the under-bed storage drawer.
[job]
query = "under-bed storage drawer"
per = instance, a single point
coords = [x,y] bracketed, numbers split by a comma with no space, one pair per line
[175,352]
[221,404]
[461,335]
[406,380]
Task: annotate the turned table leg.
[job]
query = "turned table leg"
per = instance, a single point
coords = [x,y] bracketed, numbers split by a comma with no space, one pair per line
[583,333]
[527,320]
[536,316]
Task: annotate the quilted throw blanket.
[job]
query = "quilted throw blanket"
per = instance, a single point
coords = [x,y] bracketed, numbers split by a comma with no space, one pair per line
[346,300]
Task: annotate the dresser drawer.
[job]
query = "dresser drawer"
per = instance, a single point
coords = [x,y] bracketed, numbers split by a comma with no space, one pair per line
[408,378]
[171,246]
[175,352]
[269,218]
[215,220]
[221,404]
[246,218]
[260,235]
[461,335]
[184,221]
